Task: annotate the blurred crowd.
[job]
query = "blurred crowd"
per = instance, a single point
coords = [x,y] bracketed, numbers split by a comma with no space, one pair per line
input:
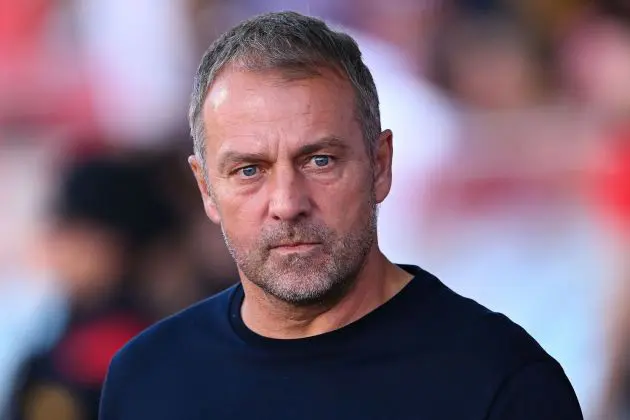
[511,122]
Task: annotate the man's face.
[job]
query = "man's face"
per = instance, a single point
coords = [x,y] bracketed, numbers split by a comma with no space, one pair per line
[291,182]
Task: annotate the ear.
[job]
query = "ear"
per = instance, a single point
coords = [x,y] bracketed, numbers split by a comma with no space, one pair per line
[209,203]
[383,165]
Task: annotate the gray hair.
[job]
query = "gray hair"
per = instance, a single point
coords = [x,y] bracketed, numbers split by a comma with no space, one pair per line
[297,45]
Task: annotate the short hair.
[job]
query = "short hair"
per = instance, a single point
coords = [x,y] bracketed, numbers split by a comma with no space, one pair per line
[297,45]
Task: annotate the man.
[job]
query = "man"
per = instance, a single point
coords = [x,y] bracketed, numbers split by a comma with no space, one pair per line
[291,162]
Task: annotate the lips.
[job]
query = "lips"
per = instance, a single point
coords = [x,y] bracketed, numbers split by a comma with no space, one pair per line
[294,244]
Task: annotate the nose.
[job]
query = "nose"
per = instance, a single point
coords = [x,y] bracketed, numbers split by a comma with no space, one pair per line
[288,197]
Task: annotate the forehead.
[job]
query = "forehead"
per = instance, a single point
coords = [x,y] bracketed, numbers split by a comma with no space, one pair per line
[260,106]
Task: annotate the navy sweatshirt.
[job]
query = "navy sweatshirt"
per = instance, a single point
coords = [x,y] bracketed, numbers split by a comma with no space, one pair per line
[427,353]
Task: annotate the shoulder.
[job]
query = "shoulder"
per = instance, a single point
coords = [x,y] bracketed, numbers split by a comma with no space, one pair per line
[482,347]
[525,381]
[538,390]
[486,339]
[162,340]
[147,364]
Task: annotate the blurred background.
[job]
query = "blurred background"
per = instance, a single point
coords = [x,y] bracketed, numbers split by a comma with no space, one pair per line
[511,123]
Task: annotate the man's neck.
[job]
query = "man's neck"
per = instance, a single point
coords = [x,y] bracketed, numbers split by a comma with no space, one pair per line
[377,282]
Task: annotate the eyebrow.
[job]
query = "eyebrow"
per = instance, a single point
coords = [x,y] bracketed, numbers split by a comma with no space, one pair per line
[230,157]
[330,142]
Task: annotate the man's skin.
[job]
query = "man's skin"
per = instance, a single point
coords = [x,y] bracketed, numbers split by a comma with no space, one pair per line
[289,178]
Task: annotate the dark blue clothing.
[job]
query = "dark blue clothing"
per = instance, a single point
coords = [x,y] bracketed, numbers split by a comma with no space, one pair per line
[428,353]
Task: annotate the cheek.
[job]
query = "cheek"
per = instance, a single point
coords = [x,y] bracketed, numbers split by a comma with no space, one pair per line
[344,205]
[241,218]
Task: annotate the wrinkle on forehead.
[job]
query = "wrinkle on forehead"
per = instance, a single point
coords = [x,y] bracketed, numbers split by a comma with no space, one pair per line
[252,112]
[235,80]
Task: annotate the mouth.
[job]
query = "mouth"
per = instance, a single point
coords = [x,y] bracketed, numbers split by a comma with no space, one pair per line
[295,247]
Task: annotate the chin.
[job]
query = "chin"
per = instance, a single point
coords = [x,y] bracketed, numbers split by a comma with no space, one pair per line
[301,290]
[301,299]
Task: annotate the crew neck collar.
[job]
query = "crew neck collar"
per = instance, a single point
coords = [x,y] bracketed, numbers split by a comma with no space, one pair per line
[320,341]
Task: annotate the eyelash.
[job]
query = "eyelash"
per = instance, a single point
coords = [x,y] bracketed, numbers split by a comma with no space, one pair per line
[241,169]
[331,160]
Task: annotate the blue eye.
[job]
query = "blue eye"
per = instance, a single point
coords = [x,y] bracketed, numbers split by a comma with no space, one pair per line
[321,160]
[249,171]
